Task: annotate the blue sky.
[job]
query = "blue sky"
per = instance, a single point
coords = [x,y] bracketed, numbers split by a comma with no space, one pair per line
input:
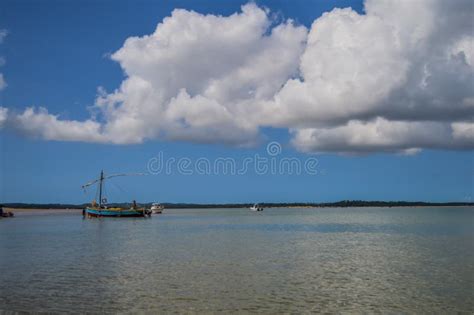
[57,55]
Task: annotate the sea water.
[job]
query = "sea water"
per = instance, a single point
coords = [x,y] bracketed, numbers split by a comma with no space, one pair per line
[234,260]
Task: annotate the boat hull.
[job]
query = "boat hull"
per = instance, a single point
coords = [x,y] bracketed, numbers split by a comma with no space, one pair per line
[91,212]
[156,210]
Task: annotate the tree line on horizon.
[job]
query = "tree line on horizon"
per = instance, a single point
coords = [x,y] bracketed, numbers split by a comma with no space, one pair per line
[337,204]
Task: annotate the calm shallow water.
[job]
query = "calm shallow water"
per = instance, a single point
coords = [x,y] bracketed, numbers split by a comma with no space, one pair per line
[234,260]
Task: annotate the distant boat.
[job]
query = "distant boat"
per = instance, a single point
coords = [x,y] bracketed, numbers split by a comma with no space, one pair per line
[157,208]
[5,214]
[101,210]
[256,207]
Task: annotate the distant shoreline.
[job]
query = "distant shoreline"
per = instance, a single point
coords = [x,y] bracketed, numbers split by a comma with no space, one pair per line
[22,207]
[26,211]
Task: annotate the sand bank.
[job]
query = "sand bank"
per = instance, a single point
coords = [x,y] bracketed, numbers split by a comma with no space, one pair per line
[23,211]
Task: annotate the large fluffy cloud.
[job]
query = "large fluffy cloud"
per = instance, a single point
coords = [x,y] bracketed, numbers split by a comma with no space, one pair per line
[394,79]
[398,78]
[196,75]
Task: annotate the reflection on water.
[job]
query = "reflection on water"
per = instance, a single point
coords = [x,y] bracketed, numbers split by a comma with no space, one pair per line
[224,260]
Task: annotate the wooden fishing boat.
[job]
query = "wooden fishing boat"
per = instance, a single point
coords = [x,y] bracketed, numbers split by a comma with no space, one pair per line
[102,210]
[116,212]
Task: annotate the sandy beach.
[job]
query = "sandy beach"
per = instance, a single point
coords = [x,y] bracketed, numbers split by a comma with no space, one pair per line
[23,211]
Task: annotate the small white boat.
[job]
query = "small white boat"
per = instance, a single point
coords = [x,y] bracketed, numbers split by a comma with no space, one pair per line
[157,208]
[256,207]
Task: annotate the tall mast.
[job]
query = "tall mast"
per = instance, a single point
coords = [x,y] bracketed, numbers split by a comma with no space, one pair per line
[101,180]
[100,187]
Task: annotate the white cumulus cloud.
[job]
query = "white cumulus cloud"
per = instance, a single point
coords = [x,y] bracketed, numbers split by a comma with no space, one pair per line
[398,78]
[385,135]
[39,123]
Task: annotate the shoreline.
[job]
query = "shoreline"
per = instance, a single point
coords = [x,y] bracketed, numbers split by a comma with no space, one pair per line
[45,211]
[27,211]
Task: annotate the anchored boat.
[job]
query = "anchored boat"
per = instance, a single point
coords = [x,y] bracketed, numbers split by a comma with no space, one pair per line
[256,207]
[101,210]
[157,208]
